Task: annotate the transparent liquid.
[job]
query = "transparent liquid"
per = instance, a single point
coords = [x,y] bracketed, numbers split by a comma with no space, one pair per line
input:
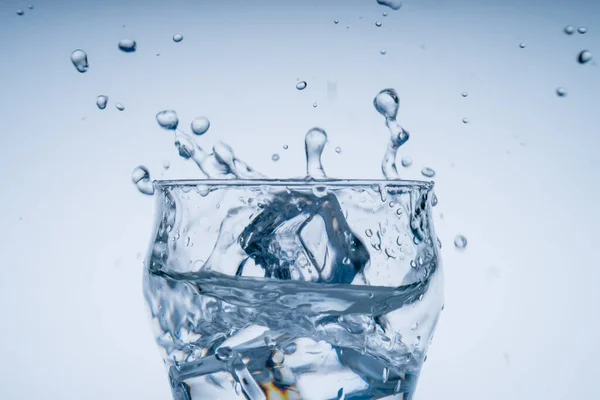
[257,338]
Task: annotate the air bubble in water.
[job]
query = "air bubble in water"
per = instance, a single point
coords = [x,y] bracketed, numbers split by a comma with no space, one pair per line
[393,4]
[464,94]
[569,29]
[79,60]
[20,12]
[314,143]
[338,150]
[561,92]
[200,125]
[141,178]
[120,106]
[178,37]
[428,172]
[584,56]
[167,119]
[522,45]
[127,45]
[406,161]
[301,85]
[582,29]
[460,242]
[275,157]
[465,120]
[378,24]
[101,101]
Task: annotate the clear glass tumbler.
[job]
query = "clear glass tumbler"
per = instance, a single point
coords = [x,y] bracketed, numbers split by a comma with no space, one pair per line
[293,289]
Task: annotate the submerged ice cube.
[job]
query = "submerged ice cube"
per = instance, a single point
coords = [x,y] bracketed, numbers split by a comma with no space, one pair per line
[304,237]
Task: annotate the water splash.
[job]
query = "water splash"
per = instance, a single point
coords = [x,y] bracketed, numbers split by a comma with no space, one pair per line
[584,57]
[387,103]
[301,85]
[200,125]
[141,179]
[393,4]
[178,37]
[167,119]
[80,60]
[127,45]
[101,101]
[314,143]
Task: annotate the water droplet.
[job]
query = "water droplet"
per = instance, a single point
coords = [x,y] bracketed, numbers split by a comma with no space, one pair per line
[290,348]
[385,13]
[314,143]
[167,119]
[383,52]
[338,150]
[224,353]
[413,264]
[569,29]
[387,103]
[285,146]
[315,104]
[393,4]
[127,45]
[561,92]
[120,106]
[335,21]
[275,157]
[582,29]
[465,120]
[178,37]
[522,45]
[584,56]
[434,200]
[141,178]
[369,233]
[428,172]
[200,125]
[460,242]
[406,161]
[166,164]
[301,85]
[378,24]
[20,12]
[79,60]
[184,144]
[464,94]
[101,101]
[30,7]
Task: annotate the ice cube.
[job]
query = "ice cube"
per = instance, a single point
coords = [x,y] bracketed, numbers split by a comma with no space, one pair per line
[304,237]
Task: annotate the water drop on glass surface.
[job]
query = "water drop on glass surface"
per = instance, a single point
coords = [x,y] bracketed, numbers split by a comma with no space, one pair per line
[127,45]
[582,29]
[460,242]
[275,157]
[120,106]
[406,161]
[224,353]
[338,150]
[335,21]
[465,120]
[101,101]
[569,29]
[79,60]
[522,45]
[383,52]
[301,85]
[20,12]
[178,37]
[393,4]
[167,119]
[378,24]
[200,125]
[428,172]
[141,178]
[584,56]
[561,92]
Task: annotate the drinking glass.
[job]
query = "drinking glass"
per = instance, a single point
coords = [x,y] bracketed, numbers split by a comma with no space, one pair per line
[293,289]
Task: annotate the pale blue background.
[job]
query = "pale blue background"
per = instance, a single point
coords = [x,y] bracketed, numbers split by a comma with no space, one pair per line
[520,180]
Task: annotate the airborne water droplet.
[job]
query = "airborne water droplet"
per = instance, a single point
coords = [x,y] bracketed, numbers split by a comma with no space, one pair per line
[387,103]
[428,172]
[315,104]
[406,161]
[167,119]
[314,143]
[393,4]
[30,7]
[561,92]
[141,178]
[335,21]
[522,45]
[460,242]
[200,125]
[275,157]
[79,60]
[465,120]
[582,29]
[569,29]
[464,94]
[584,56]
[285,146]
[120,106]
[378,24]
[178,37]
[301,85]
[20,12]
[166,164]
[101,101]
[383,52]
[127,45]
[338,150]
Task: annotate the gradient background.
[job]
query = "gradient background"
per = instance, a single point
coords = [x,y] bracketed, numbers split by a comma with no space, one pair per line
[520,180]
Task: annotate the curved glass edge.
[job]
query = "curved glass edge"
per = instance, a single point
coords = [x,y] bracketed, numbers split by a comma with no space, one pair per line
[160,184]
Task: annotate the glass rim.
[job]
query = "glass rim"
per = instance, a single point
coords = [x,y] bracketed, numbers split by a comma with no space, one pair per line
[297,182]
